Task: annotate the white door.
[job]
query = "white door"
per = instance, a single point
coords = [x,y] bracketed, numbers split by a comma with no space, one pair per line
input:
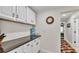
[21,14]
[31,16]
[7,11]
[74,32]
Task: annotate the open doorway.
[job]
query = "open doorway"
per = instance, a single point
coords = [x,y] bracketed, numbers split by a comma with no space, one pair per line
[68,32]
[62,30]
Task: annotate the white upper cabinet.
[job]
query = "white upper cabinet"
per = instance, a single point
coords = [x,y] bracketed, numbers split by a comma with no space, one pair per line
[18,13]
[21,14]
[31,16]
[6,11]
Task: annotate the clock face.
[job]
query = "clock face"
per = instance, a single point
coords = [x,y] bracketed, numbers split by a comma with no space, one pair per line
[49,20]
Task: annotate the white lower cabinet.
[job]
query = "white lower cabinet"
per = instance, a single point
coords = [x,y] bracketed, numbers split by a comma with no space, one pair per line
[17,50]
[30,47]
[36,45]
[27,48]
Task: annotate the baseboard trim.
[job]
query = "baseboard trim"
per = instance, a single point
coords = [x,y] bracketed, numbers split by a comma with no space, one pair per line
[45,51]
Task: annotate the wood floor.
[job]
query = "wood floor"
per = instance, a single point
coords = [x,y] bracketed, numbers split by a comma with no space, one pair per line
[66,48]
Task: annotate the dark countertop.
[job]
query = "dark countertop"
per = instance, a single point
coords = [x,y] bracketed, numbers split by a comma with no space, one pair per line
[12,44]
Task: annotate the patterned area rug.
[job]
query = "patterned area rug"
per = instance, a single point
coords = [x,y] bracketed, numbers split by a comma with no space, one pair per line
[66,48]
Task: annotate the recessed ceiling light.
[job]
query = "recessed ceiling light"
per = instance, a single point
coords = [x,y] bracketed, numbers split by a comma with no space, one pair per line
[64,15]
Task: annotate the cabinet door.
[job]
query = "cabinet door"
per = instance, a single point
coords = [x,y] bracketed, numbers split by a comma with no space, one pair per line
[17,50]
[31,16]
[21,14]
[27,48]
[0,9]
[36,45]
[30,47]
[7,11]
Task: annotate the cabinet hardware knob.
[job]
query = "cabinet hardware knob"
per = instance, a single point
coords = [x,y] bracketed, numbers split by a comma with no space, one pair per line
[15,51]
[74,21]
[34,40]
[17,16]
[25,6]
[31,20]
[28,44]
[13,14]
[37,43]
[74,31]
[74,41]
[31,45]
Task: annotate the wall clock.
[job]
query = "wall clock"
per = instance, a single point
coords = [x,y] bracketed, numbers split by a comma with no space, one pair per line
[49,20]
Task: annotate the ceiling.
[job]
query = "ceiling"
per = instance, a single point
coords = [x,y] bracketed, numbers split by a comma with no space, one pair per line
[40,9]
[66,15]
[68,10]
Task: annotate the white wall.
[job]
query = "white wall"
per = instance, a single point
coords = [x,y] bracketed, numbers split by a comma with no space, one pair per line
[50,40]
[14,30]
[50,34]
[68,31]
[65,30]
